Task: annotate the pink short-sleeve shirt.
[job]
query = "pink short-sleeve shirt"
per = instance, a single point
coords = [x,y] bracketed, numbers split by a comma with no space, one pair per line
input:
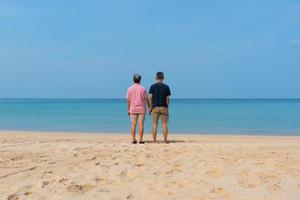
[137,95]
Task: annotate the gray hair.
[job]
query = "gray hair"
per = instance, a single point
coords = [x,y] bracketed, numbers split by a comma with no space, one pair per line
[137,78]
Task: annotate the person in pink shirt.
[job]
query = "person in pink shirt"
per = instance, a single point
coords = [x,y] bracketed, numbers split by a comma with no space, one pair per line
[137,100]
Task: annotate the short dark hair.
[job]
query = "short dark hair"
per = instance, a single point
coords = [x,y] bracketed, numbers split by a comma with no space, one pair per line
[160,75]
[137,78]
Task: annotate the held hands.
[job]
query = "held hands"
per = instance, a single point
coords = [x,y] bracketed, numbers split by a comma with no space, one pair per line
[150,110]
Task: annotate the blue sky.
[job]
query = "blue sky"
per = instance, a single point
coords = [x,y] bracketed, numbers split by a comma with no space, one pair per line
[207,49]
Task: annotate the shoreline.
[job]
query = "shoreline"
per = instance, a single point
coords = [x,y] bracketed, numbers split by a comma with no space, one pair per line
[147,133]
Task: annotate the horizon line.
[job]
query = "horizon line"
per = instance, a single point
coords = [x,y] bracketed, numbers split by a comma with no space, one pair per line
[109,98]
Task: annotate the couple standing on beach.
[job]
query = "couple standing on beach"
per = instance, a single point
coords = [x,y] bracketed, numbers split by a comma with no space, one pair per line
[158,106]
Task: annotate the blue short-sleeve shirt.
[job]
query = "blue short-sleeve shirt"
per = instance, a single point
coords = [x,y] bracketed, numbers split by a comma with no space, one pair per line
[159,92]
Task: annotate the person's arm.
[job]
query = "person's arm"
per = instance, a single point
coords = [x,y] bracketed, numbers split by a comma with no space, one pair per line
[168,97]
[150,103]
[147,99]
[128,100]
[168,101]
[150,100]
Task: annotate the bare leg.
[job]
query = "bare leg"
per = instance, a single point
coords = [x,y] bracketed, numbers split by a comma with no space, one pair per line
[154,131]
[165,131]
[133,130]
[141,130]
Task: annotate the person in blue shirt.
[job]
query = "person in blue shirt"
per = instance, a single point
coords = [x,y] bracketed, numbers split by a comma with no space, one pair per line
[159,95]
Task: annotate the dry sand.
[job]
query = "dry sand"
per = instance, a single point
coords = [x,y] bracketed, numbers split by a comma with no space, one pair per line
[85,166]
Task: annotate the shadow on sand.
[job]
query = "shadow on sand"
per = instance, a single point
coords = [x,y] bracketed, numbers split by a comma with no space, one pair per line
[162,142]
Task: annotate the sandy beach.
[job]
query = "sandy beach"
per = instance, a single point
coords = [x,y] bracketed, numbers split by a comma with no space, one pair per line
[106,166]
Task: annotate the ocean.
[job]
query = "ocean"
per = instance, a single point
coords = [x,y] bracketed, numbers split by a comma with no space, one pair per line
[196,116]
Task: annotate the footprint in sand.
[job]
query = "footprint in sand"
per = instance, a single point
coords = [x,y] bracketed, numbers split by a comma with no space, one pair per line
[174,171]
[124,173]
[98,179]
[13,197]
[45,183]
[156,173]
[139,165]
[63,180]
[28,193]
[91,159]
[32,168]
[149,156]
[48,172]
[130,196]
[77,188]
[17,158]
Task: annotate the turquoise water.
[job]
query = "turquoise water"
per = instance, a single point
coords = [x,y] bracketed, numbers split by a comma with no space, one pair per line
[233,116]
